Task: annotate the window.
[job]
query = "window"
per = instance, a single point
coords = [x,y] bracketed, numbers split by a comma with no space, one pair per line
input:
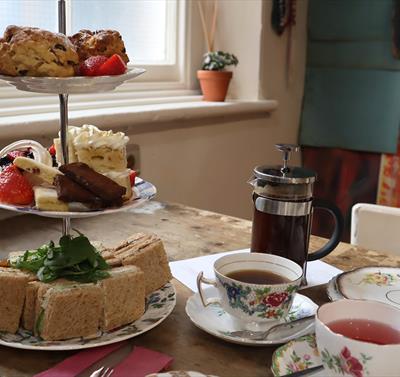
[155,33]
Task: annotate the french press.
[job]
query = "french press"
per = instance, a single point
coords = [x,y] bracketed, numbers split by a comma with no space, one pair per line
[283,208]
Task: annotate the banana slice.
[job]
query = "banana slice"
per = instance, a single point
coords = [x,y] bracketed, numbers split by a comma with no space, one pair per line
[41,171]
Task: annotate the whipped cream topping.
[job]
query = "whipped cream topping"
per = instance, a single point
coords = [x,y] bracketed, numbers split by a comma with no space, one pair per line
[89,136]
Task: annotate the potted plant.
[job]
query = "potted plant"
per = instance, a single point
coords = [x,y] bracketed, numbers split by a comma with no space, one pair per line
[214,80]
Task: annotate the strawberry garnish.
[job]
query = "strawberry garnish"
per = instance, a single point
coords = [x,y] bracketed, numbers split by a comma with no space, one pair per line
[91,65]
[113,66]
[14,154]
[52,150]
[14,187]
[132,177]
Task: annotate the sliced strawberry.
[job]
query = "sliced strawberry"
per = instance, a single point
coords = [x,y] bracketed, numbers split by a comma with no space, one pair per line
[132,177]
[14,154]
[52,150]
[113,66]
[14,187]
[91,65]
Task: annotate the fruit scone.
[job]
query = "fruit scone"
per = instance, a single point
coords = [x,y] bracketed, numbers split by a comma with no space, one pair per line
[29,51]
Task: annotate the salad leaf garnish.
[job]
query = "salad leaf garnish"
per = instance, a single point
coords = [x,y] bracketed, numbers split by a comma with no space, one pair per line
[74,259]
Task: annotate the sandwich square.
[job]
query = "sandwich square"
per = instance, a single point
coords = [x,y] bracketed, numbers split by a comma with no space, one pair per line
[124,297]
[12,292]
[65,312]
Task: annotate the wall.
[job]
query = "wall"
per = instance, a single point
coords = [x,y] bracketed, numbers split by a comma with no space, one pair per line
[208,165]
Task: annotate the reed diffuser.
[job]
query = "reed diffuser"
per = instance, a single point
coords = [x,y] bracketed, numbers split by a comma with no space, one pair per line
[214,79]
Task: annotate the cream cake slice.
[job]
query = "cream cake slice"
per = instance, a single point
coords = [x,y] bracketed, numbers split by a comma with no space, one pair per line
[103,151]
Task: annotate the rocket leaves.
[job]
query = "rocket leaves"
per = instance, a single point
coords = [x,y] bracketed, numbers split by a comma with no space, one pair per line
[74,259]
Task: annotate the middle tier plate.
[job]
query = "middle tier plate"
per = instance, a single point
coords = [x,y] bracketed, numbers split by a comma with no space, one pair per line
[144,191]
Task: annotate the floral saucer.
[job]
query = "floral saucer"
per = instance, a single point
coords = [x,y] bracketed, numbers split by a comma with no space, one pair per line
[332,290]
[371,283]
[215,321]
[297,355]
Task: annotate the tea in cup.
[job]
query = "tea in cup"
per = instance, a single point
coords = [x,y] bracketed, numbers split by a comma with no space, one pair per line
[358,338]
[253,287]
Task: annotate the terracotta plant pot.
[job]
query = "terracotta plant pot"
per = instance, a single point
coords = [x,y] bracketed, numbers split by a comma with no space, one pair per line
[214,84]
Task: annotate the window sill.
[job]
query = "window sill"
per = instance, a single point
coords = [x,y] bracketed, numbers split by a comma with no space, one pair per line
[137,112]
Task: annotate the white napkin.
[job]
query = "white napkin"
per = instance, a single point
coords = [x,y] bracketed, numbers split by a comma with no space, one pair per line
[186,270]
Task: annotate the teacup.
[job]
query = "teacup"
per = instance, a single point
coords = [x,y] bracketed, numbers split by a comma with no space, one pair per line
[344,356]
[251,302]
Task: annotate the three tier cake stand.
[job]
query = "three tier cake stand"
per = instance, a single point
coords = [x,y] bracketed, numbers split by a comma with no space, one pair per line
[161,302]
[64,87]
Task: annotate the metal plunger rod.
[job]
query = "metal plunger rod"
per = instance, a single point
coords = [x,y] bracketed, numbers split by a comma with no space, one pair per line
[66,228]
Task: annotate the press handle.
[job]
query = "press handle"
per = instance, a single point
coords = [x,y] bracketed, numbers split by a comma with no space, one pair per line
[286,149]
[334,211]
[206,301]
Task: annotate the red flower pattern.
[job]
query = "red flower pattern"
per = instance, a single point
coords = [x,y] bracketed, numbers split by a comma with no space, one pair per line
[275,299]
[350,364]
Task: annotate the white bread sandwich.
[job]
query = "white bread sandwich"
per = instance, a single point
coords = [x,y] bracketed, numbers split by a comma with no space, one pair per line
[13,284]
[147,252]
[124,298]
[65,311]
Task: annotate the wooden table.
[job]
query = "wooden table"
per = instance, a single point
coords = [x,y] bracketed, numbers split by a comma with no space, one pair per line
[187,232]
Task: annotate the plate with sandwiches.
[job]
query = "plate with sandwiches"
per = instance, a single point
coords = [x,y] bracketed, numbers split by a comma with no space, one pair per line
[133,297]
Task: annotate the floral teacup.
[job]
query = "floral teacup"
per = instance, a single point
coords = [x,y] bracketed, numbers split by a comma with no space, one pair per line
[344,356]
[253,302]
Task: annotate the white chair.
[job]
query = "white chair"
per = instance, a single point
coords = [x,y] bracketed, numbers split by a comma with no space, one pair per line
[376,227]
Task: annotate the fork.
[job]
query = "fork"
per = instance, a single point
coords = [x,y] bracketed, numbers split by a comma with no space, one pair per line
[107,372]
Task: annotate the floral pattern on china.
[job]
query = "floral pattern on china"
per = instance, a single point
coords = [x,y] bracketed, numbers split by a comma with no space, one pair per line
[260,302]
[346,363]
[380,279]
[295,356]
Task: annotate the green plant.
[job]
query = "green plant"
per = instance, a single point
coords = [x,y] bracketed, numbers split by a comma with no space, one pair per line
[218,60]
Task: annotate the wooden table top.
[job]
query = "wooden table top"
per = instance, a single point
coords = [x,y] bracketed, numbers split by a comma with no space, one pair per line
[187,232]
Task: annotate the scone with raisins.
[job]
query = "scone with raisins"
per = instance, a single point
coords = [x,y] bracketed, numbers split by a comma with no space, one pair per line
[28,51]
[99,42]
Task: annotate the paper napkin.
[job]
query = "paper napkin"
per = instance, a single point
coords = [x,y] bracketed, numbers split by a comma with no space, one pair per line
[77,363]
[139,363]
[186,270]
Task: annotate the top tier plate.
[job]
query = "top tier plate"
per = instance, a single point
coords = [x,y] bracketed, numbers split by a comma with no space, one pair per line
[71,85]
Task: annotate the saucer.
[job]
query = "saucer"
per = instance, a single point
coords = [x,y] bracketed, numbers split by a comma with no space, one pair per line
[297,355]
[332,290]
[215,321]
[371,283]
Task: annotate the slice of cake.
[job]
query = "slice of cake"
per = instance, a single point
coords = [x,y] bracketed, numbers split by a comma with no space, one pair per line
[46,199]
[124,297]
[103,151]
[13,284]
[147,252]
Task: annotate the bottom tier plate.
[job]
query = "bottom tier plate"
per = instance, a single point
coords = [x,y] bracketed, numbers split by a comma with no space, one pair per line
[159,306]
